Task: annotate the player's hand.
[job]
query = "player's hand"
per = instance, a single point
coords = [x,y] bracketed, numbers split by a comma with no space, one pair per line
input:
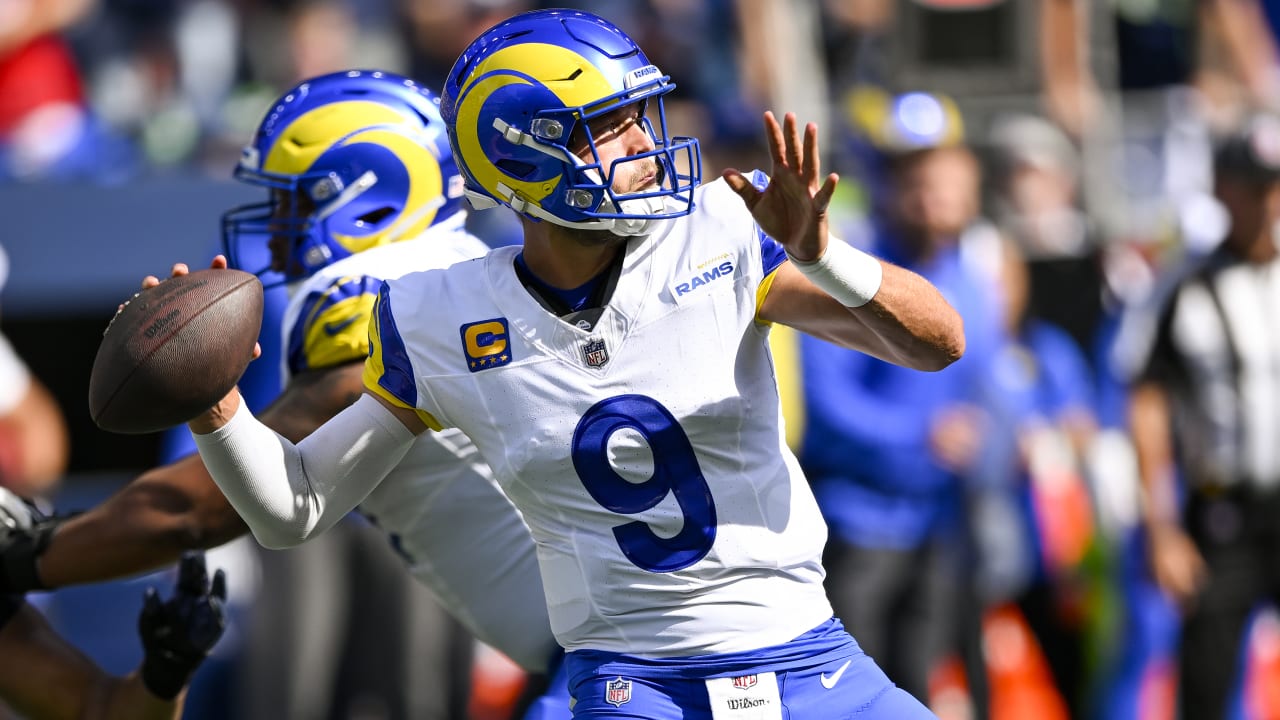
[1176,564]
[792,209]
[178,633]
[219,262]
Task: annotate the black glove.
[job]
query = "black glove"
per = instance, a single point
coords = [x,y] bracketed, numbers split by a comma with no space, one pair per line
[178,633]
[24,534]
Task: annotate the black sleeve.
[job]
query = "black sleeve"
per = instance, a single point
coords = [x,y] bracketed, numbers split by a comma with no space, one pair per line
[9,605]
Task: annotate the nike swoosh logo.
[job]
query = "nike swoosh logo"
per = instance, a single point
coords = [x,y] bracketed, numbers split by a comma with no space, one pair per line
[830,682]
[333,328]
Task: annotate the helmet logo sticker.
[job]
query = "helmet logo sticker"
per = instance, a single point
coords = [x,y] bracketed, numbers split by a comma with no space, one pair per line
[250,158]
[639,75]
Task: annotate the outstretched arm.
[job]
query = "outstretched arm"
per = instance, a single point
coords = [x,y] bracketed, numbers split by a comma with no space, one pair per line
[42,675]
[151,521]
[288,492]
[830,289]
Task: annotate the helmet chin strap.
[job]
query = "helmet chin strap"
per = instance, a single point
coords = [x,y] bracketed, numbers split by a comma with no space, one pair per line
[630,227]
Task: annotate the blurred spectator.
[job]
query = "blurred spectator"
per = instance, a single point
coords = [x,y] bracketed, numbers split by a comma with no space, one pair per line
[47,128]
[889,452]
[1035,201]
[1184,71]
[1204,411]
[437,31]
[33,431]
[1045,387]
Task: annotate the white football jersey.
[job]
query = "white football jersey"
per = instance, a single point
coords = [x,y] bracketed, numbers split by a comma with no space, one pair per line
[646,454]
[440,506]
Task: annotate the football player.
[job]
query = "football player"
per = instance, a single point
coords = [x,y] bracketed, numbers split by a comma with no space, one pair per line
[42,676]
[614,371]
[361,187]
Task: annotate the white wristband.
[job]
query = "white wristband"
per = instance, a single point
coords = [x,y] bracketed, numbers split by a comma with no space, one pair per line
[15,378]
[844,272]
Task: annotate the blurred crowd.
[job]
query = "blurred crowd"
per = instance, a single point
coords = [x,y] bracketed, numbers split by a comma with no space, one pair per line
[109,89]
[1037,531]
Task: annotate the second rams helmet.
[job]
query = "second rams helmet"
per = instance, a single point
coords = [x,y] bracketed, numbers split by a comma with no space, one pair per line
[353,160]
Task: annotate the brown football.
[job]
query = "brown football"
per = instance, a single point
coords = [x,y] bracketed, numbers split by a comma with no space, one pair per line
[174,350]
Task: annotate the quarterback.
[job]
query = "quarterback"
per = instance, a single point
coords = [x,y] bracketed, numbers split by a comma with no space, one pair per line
[614,371]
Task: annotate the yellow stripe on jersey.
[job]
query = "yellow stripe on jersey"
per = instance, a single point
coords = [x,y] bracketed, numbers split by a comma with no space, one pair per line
[375,368]
[784,345]
[762,291]
[371,384]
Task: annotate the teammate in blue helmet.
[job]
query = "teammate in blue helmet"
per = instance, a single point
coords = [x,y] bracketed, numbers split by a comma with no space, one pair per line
[354,160]
[614,370]
[361,188]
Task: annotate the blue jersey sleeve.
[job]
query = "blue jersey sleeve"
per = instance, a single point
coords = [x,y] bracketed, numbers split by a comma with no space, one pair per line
[388,369]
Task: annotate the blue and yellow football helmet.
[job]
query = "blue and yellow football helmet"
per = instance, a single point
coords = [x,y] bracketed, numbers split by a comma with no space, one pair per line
[353,160]
[524,88]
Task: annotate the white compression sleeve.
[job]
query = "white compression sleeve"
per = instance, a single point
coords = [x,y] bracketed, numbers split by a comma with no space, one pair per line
[287,493]
[844,272]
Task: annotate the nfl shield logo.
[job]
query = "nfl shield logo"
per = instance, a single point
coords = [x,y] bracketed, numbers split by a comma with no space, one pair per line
[746,682]
[617,692]
[594,353]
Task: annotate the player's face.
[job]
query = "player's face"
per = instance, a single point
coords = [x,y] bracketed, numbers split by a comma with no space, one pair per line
[936,192]
[288,207]
[620,134]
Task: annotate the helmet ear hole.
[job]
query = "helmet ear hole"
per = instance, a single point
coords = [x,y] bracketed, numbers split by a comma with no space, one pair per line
[373,217]
[516,168]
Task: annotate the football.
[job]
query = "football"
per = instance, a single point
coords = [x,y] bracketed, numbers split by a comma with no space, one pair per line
[174,350]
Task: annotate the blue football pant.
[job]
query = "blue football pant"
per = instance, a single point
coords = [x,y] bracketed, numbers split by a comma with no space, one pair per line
[863,692]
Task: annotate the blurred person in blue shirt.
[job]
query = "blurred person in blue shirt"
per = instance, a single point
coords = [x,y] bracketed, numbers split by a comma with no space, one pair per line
[1045,389]
[889,451]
